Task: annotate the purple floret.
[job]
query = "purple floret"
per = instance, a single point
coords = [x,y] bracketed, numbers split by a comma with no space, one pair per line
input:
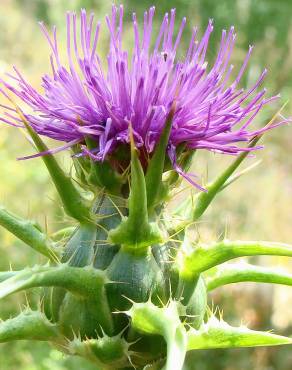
[89,99]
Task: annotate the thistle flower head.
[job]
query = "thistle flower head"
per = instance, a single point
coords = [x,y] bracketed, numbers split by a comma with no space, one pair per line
[126,286]
[87,98]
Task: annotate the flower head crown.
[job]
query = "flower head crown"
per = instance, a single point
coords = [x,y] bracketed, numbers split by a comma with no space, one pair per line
[86,100]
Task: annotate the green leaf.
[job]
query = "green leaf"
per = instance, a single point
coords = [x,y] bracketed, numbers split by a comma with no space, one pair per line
[26,231]
[87,283]
[218,334]
[79,281]
[203,258]
[150,319]
[74,205]
[155,167]
[237,273]
[135,231]
[157,365]
[29,325]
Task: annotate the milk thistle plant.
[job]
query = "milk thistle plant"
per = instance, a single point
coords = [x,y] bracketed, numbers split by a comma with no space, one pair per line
[126,287]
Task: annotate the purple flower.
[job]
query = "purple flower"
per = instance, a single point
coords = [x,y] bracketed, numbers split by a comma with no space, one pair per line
[84,98]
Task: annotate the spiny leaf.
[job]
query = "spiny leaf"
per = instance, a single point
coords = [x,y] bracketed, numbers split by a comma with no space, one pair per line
[218,334]
[155,167]
[80,281]
[150,319]
[29,325]
[26,231]
[237,273]
[203,258]
[86,283]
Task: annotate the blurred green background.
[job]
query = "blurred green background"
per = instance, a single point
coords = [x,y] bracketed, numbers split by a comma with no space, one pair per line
[258,206]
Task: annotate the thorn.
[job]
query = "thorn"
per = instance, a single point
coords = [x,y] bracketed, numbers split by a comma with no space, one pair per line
[130,360]
[188,326]
[174,240]
[170,287]
[134,342]
[102,331]
[160,300]
[121,312]
[46,224]
[41,304]
[128,299]
[136,354]
[120,334]
[117,282]
[26,300]
[116,207]
[102,228]
[191,316]
[19,307]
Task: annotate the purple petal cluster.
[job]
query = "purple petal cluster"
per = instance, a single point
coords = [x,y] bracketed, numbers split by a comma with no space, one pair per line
[88,98]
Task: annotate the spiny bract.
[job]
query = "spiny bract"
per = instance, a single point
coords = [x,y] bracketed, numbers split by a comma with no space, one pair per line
[125,287]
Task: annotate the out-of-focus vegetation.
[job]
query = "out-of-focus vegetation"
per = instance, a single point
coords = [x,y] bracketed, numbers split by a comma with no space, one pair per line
[258,206]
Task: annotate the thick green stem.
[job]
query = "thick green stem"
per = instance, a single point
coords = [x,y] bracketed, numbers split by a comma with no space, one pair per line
[237,273]
[27,232]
